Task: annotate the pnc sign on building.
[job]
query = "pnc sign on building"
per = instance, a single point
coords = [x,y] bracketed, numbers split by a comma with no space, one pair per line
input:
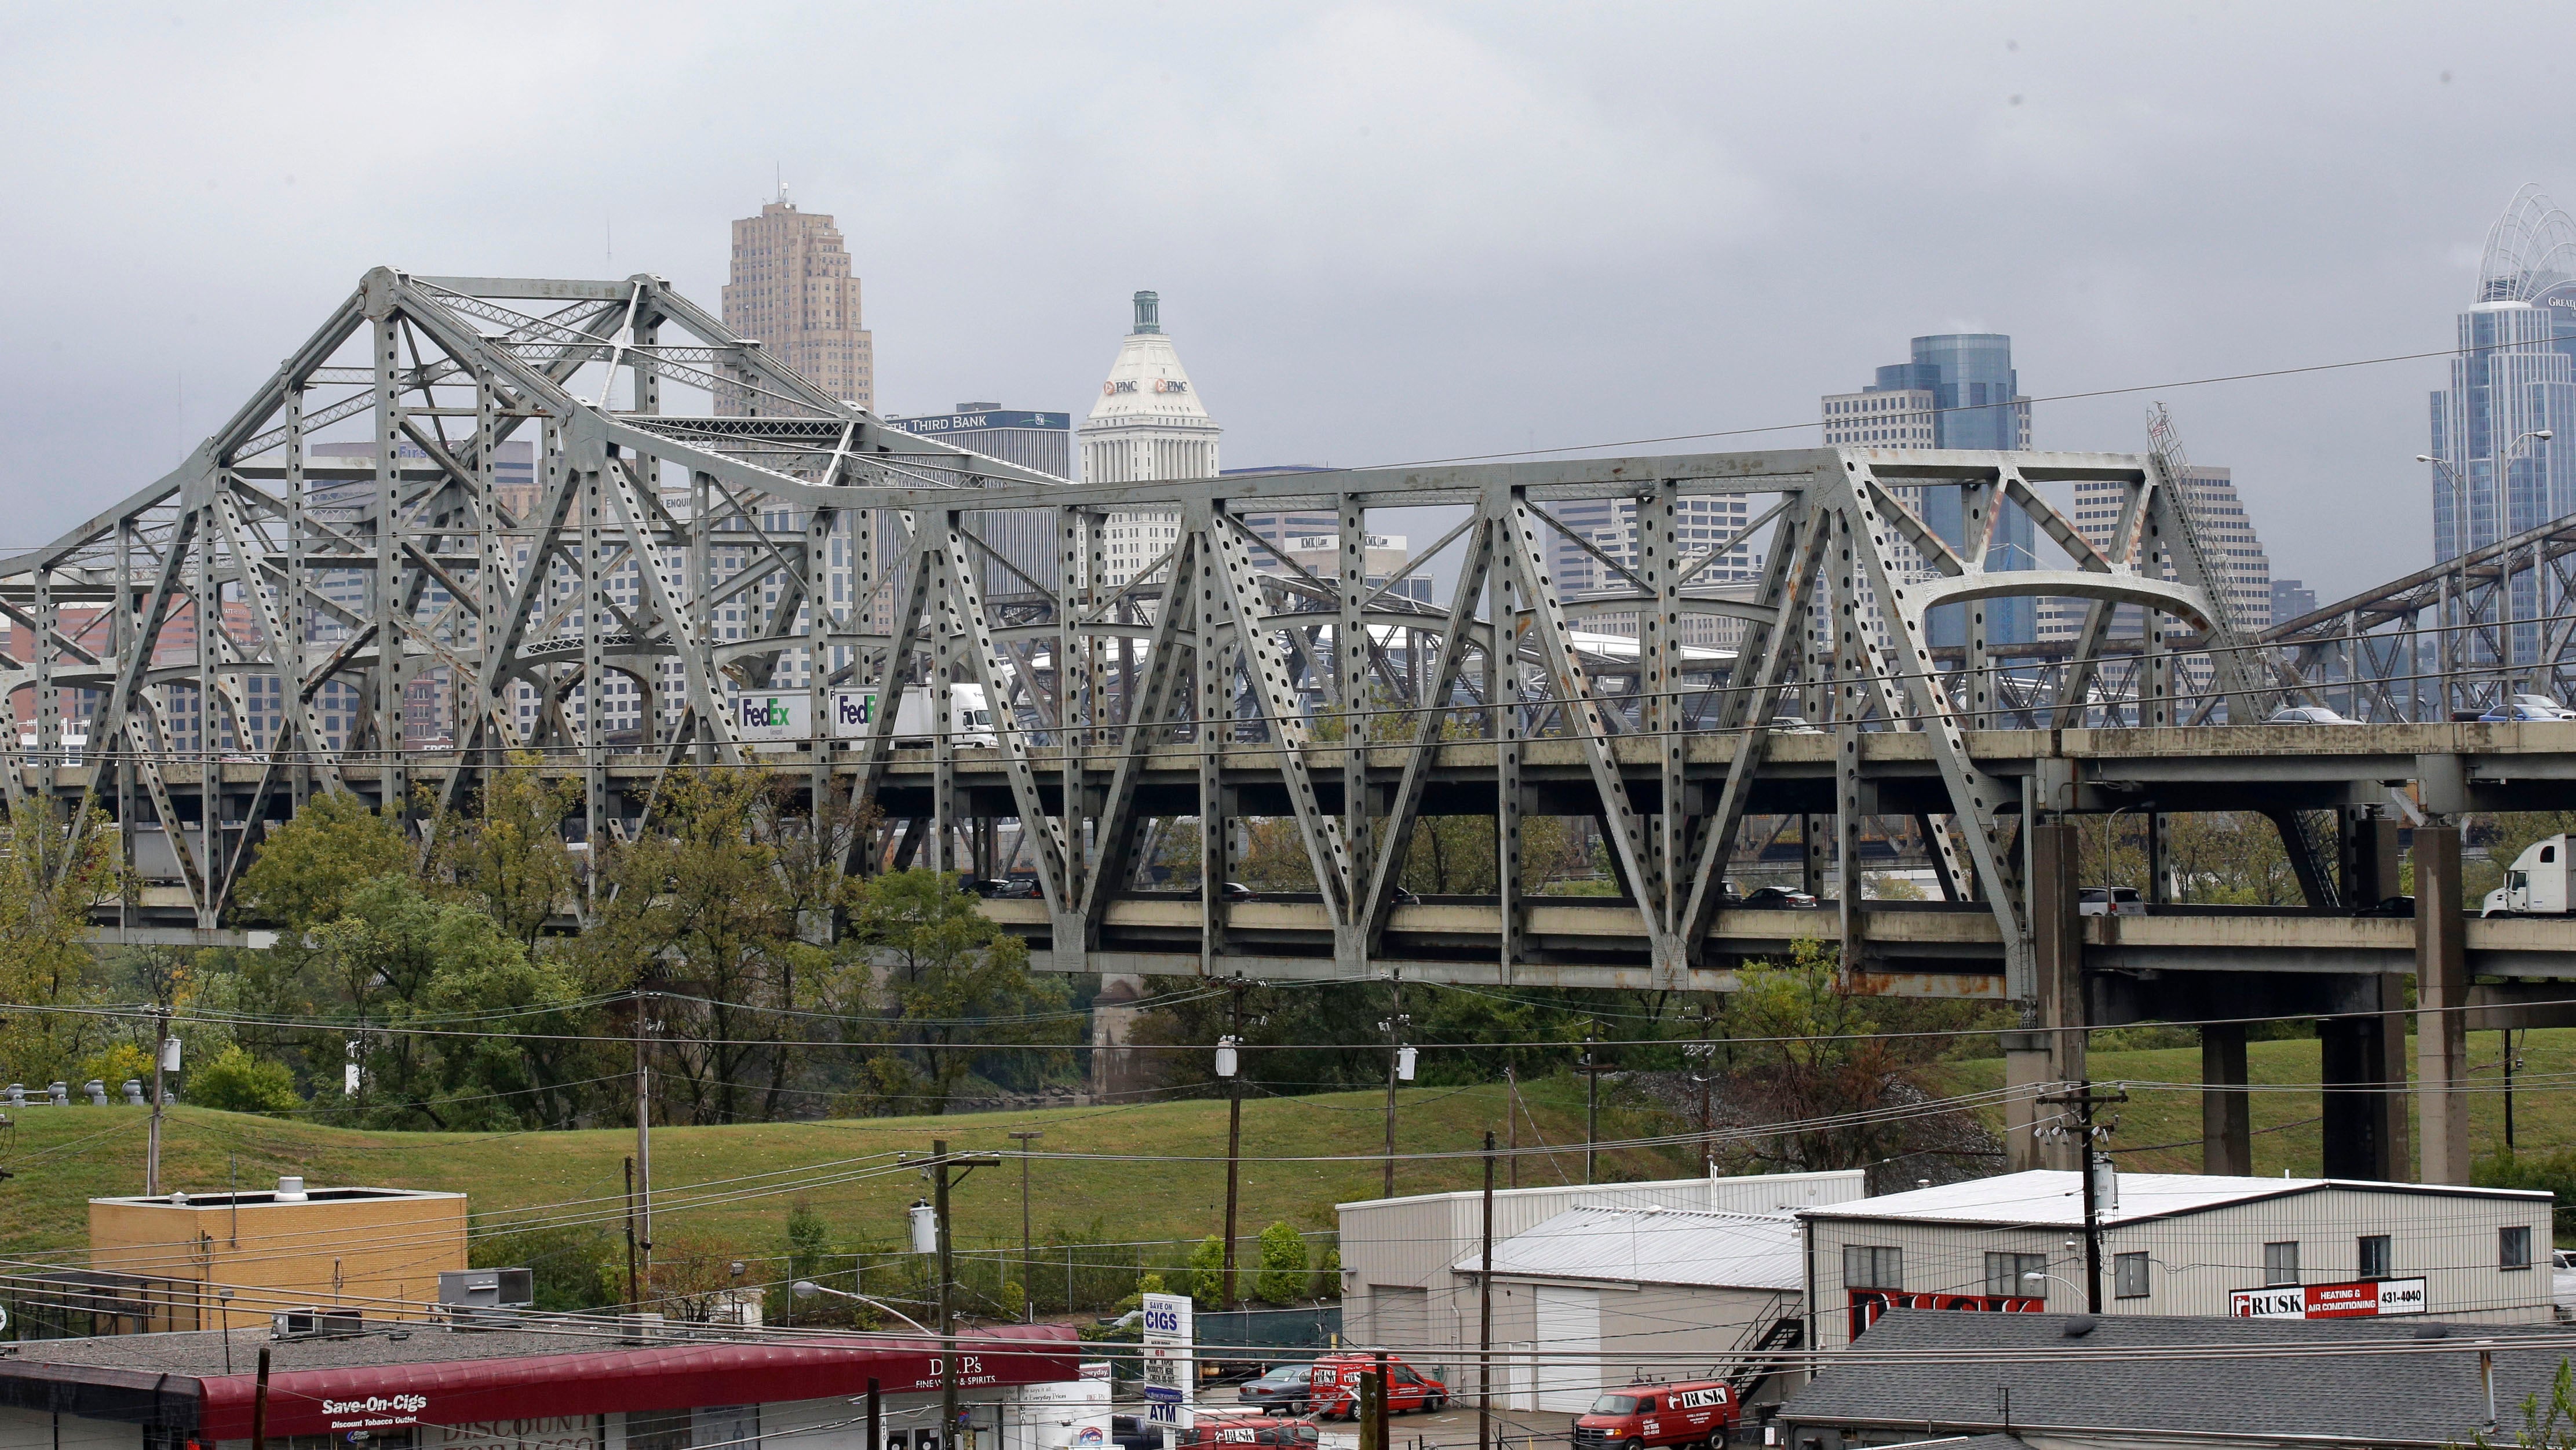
[2371,1299]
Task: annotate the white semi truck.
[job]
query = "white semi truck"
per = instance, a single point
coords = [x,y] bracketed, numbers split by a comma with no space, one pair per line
[2536,883]
[779,719]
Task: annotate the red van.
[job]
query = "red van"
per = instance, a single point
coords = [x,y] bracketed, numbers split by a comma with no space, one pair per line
[1227,1432]
[1337,1386]
[1693,1412]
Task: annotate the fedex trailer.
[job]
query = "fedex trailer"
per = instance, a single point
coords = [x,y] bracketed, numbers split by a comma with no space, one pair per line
[783,719]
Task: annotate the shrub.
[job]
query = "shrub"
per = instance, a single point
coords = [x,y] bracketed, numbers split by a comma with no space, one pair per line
[238,1082]
[1207,1272]
[1285,1265]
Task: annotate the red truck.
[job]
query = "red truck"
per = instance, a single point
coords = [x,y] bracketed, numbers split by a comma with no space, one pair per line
[1693,1412]
[1336,1386]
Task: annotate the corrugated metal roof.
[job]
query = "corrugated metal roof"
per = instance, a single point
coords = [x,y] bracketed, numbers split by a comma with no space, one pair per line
[2056,1196]
[1656,1246]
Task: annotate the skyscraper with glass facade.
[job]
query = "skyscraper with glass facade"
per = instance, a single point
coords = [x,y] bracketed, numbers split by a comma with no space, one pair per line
[1958,390]
[2513,379]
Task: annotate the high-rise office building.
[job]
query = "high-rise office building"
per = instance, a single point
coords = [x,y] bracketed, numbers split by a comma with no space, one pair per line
[1043,441]
[1148,424]
[1958,390]
[2513,379]
[793,289]
[2227,539]
[2291,599]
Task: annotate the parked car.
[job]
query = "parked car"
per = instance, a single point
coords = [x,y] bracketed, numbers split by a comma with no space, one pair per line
[1336,1385]
[1774,898]
[2110,901]
[2562,1284]
[2309,715]
[1641,1417]
[1285,1387]
[1135,1432]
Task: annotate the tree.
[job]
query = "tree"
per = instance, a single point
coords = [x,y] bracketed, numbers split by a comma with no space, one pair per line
[397,956]
[1811,1052]
[237,1082]
[308,866]
[507,854]
[696,909]
[1285,1265]
[49,880]
[955,993]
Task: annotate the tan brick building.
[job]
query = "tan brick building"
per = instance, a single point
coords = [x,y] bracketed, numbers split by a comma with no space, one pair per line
[376,1252]
[792,288]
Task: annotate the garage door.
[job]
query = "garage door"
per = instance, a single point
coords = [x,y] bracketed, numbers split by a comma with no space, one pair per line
[1400,1318]
[1569,1339]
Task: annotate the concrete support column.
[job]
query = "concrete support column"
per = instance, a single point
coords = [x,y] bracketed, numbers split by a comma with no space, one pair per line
[2058,944]
[2441,988]
[2226,1117]
[2354,1054]
[2028,1071]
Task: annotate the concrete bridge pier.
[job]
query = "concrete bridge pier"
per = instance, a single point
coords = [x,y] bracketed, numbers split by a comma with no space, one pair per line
[2226,1112]
[2441,997]
[2365,1087]
[2052,1050]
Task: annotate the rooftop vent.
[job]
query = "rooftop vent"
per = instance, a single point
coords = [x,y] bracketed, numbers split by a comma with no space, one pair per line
[485,1298]
[290,1189]
[315,1323]
[2079,1325]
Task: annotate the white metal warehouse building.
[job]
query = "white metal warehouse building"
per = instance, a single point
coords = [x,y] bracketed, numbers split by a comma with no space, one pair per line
[2183,1244]
[1679,1265]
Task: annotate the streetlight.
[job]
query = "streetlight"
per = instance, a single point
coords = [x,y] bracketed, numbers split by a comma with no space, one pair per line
[2110,830]
[2035,1276]
[807,1289]
[2458,485]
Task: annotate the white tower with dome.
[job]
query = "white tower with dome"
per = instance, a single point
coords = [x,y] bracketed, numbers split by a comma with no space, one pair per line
[1148,424]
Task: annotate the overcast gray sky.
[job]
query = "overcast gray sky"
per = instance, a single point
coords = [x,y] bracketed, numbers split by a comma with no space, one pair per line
[1381,232]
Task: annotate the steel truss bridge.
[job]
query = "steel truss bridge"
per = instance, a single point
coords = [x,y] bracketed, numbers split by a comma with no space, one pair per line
[249,630]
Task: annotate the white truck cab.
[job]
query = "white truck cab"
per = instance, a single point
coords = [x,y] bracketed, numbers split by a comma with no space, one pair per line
[2535,884]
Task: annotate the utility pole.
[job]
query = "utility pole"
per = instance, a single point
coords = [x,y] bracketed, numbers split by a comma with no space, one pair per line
[1230,1067]
[1512,1116]
[1591,1071]
[941,1183]
[2084,1100]
[1485,1313]
[2509,1065]
[1396,1066]
[1028,1270]
[634,1289]
[643,1137]
[1705,1053]
[160,1056]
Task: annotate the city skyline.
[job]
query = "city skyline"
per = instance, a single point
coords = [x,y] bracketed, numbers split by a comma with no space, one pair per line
[2121,248]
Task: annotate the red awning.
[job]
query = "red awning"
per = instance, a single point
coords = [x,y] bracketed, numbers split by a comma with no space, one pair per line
[591,1381]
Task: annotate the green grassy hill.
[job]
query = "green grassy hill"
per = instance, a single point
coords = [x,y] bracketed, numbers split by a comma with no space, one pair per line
[63,1156]
[2160,1127]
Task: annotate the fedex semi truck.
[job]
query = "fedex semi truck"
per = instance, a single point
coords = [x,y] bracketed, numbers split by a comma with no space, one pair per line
[781,719]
